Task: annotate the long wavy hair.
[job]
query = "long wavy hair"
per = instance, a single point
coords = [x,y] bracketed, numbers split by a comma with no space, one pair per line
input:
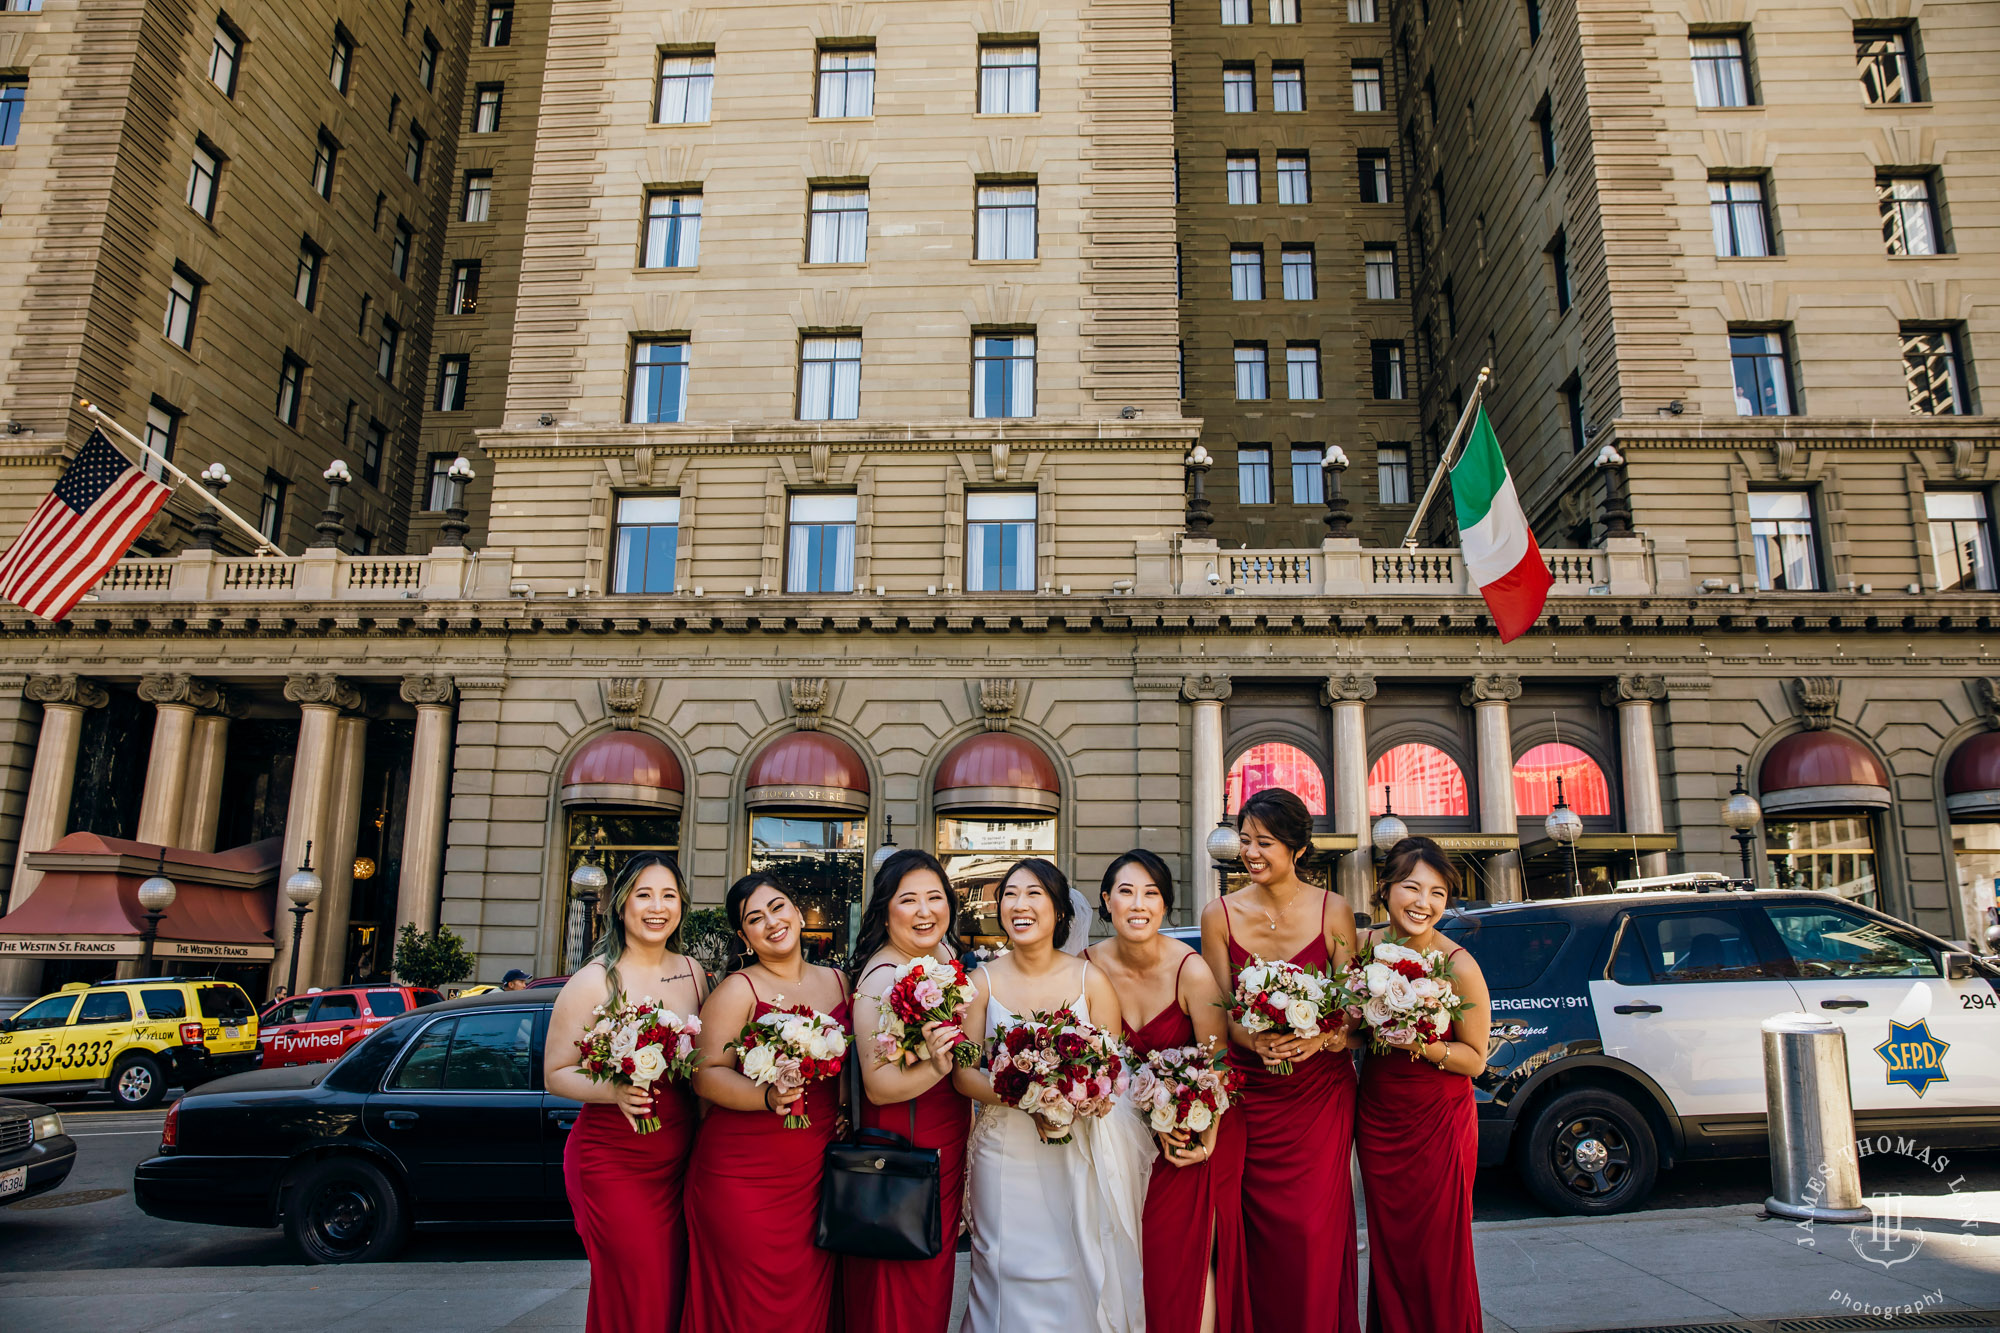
[610,946]
[874,932]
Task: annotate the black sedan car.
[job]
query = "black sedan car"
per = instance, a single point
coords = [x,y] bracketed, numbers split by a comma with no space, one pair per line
[439,1117]
[35,1154]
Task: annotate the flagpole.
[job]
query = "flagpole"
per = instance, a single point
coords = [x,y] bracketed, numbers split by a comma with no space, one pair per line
[1444,461]
[263,542]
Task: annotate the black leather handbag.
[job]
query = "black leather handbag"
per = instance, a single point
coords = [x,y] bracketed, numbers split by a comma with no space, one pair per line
[878,1196]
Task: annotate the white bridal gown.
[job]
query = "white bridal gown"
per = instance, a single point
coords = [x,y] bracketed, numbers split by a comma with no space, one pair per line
[1055,1228]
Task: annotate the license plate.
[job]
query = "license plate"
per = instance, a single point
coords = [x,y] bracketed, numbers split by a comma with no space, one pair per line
[14,1181]
[230,1033]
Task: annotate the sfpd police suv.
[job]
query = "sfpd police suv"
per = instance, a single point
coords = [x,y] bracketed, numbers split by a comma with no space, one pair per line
[1627,1030]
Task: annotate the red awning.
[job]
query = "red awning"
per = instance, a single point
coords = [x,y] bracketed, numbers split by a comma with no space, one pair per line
[87,903]
[1821,771]
[1972,779]
[997,771]
[808,770]
[625,768]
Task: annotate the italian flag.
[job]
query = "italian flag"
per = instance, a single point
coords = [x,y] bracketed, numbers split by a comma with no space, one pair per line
[1500,553]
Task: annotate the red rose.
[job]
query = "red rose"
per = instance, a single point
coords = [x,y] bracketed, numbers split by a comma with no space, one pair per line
[1019,1039]
[1069,1046]
[626,1065]
[1409,967]
[1009,1085]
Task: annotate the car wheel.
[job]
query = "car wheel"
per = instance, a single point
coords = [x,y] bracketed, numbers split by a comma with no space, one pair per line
[1590,1151]
[344,1210]
[138,1082]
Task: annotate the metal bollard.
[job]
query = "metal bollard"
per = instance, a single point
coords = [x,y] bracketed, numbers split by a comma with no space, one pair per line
[1815,1171]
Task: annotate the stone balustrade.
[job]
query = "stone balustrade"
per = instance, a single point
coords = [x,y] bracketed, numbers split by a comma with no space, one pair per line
[1345,568]
[320,575]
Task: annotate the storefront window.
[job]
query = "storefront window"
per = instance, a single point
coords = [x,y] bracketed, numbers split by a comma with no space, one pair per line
[1977,852]
[618,835]
[1421,781]
[823,863]
[1584,787]
[1275,765]
[976,853]
[1834,855]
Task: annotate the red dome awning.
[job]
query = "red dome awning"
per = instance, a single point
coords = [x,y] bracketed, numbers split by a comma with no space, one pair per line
[997,770]
[87,903]
[625,768]
[1972,779]
[1821,770]
[808,770]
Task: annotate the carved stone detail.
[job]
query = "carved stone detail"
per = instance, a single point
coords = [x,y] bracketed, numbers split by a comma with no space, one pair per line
[1986,694]
[1635,689]
[809,696]
[429,689]
[178,687]
[1351,687]
[75,691]
[321,688]
[1208,687]
[1816,697]
[1490,687]
[623,696]
[999,696]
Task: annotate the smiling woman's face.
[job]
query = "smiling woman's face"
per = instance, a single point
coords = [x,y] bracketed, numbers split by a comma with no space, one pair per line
[1416,902]
[1135,902]
[771,924]
[1027,913]
[1265,859]
[653,909]
[919,913]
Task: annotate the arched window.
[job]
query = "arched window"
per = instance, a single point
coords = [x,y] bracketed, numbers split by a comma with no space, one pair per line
[1583,784]
[1422,780]
[1275,764]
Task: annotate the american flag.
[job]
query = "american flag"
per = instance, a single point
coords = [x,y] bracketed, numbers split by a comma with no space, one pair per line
[84,527]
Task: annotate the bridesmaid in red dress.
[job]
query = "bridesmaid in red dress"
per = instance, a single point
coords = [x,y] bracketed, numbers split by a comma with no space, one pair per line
[1298,1196]
[753,1186]
[1192,1228]
[910,914]
[1417,1131]
[625,1187]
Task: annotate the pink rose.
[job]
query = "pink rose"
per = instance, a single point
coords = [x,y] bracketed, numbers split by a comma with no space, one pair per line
[928,994]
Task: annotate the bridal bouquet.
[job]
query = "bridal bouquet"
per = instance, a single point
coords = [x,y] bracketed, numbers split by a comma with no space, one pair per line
[1397,990]
[637,1044]
[1183,1089]
[924,990]
[790,1047]
[1283,997]
[1056,1066]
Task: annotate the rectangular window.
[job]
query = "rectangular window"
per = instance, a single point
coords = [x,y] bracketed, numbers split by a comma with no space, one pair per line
[1933,372]
[1437,193]
[374,443]
[846,84]
[820,551]
[1392,474]
[1721,72]
[427,62]
[386,347]
[291,391]
[1559,270]
[687,89]
[486,110]
[1252,373]
[1302,372]
[830,378]
[1308,474]
[1909,214]
[1010,80]
[1374,178]
[1736,213]
[839,227]
[1961,540]
[1361,11]
[202,175]
[1367,76]
[1003,375]
[1381,262]
[1386,363]
[673,230]
[440,485]
[305,282]
[1763,379]
[465,287]
[1006,221]
[478,205]
[413,152]
[1300,285]
[1888,64]
[1288,88]
[400,245]
[362,542]
[163,427]
[647,543]
[1781,530]
[271,509]
[452,373]
[1284,11]
[341,62]
[225,49]
[1241,171]
[324,157]
[1246,274]
[1236,13]
[183,295]
[1534,21]
[1239,88]
[1545,134]
[1572,403]
[499,23]
[1000,541]
[1253,474]
[659,380]
[1294,178]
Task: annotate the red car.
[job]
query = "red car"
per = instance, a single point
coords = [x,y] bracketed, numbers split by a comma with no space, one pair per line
[312,1029]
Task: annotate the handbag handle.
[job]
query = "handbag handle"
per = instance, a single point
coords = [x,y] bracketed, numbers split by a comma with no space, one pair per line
[857,1097]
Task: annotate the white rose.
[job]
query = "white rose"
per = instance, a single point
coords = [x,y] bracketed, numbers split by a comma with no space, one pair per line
[1057,1111]
[759,1062]
[1376,1014]
[1386,952]
[1199,1118]
[1036,1094]
[1377,976]
[1303,1015]
[623,1042]
[1162,1119]
[824,1045]
[1427,989]
[1256,1022]
[1399,995]
[648,1065]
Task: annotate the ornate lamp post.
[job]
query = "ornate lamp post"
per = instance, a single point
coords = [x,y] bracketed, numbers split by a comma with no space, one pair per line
[331,522]
[303,890]
[1332,465]
[1742,813]
[888,847]
[1225,847]
[455,524]
[207,526]
[1617,515]
[1199,461]
[1565,826]
[586,882]
[156,895]
[1388,830]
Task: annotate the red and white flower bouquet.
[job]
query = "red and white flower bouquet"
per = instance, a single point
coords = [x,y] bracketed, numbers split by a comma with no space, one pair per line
[638,1044]
[1401,992]
[1183,1089]
[924,990]
[1056,1066]
[1286,998]
[789,1047]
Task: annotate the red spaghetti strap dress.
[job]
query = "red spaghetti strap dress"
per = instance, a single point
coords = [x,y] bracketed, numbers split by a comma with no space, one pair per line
[753,1206]
[913,1295]
[1417,1132]
[1298,1197]
[625,1190]
[1193,1211]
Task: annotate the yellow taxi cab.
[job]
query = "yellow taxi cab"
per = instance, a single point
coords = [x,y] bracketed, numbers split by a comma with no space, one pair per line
[133,1039]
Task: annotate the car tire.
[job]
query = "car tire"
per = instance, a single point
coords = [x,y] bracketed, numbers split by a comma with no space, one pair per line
[344,1210]
[1590,1152]
[137,1082]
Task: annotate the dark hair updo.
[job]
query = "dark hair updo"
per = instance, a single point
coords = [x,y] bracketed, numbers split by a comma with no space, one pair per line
[874,931]
[1405,857]
[1284,816]
[1057,885]
[1156,870]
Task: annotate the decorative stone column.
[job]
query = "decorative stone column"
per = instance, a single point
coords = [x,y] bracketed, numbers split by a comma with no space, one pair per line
[321,697]
[1206,692]
[1639,760]
[20,725]
[343,829]
[175,697]
[1348,697]
[426,812]
[45,817]
[201,797]
[1488,696]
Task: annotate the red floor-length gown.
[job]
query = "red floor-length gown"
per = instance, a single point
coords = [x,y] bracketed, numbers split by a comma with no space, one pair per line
[1193,1211]
[1417,1133]
[1298,1196]
[753,1205]
[914,1295]
[625,1190]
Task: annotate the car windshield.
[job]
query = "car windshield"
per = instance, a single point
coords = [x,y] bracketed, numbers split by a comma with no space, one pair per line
[225,1003]
[361,1069]
[50,1013]
[1512,955]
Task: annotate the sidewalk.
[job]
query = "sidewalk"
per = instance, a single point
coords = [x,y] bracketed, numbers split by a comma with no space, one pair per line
[1709,1267]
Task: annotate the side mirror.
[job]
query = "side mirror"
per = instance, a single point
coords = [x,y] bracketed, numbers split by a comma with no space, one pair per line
[1958,966]
[6,1025]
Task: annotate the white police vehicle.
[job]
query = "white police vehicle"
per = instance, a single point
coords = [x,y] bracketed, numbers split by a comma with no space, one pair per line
[1626,1030]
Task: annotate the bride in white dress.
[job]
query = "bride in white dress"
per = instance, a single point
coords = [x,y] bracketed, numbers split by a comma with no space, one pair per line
[1055,1229]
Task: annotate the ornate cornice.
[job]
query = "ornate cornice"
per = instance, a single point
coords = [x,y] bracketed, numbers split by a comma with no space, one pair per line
[66,690]
[321,689]
[1490,687]
[429,689]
